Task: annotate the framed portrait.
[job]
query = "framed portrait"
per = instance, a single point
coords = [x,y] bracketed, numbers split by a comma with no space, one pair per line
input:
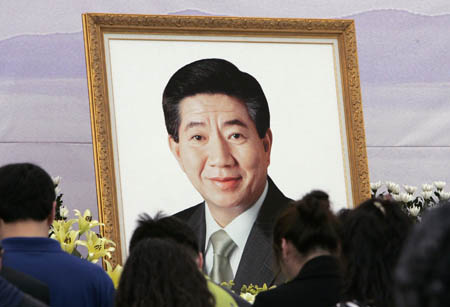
[307,68]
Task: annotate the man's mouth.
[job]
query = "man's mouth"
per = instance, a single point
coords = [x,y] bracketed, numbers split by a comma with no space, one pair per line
[226,183]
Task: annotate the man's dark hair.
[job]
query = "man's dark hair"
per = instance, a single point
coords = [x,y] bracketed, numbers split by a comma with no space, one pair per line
[372,237]
[214,76]
[165,227]
[423,271]
[160,273]
[26,193]
[309,224]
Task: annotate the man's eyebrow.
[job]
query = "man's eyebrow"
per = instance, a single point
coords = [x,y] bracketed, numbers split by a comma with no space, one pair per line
[194,124]
[235,122]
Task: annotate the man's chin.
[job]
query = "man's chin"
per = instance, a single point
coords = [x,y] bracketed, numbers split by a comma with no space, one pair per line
[227,204]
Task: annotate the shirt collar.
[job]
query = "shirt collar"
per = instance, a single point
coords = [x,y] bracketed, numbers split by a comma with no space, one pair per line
[239,228]
[30,244]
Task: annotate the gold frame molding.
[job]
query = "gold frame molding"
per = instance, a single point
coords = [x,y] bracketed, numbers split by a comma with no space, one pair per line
[96,25]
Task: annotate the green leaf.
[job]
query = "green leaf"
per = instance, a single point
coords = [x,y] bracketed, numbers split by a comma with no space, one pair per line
[76,253]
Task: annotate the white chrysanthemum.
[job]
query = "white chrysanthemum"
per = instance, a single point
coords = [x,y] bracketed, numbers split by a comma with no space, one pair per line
[57,191]
[427,187]
[405,197]
[444,196]
[393,187]
[414,210]
[397,197]
[439,184]
[427,194]
[410,189]
[56,180]
[248,297]
[375,185]
[63,211]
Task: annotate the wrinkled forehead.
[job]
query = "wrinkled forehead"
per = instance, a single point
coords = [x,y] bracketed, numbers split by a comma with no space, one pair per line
[217,106]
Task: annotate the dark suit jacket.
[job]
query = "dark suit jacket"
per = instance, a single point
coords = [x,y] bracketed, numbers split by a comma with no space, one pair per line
[257,264]
[27,284]
[318,284]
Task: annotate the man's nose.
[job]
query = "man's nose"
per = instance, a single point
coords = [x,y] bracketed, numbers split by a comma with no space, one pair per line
[219,154]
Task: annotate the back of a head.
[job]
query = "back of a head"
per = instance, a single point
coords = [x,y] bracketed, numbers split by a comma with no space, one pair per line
[214,76]
[309,224]
[372,236]
[165,227]
[26,193]
[423,272]
[160,273]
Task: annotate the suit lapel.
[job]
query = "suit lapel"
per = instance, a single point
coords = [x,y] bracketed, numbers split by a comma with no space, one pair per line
[198,224]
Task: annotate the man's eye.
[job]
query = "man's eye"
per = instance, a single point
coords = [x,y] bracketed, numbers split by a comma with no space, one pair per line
[236,136]
[197,137]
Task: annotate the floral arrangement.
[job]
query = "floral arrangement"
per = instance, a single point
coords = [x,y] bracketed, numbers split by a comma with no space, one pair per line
[70,239]
[413,201]
[249,292]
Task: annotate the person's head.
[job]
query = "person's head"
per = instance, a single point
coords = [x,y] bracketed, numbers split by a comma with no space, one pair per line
[372,236]
[27,194]
[167,228]
[218,122]
[423,271]
[160,273]
[305,230]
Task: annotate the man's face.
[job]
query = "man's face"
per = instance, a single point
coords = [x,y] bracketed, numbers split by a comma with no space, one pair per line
[220,150]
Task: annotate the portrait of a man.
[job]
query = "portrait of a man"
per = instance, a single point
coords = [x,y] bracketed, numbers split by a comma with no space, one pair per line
[209,151]
[218,121]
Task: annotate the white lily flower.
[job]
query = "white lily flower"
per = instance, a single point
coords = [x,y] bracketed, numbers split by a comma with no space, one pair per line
[414,210]
[63,211]
[427,194]
[393,187]
[375,185]
[410,189]
[427,187]
[56,180]
[444,195]
[439,184]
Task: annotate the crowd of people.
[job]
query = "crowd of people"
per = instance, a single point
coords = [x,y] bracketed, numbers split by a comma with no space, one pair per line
[369,256]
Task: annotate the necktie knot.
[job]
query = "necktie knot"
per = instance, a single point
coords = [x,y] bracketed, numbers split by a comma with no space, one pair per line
[222,244]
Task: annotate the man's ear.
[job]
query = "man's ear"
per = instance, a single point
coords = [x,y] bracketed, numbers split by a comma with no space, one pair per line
[51,217]
[284,249]
[267,143]
[200,261]
[175,149]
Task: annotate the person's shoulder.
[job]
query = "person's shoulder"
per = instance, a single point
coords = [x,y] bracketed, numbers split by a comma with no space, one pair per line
[94,277]
[84,268]
[26,283]
[275,201]
[268,298]
[222,297]
[187,213]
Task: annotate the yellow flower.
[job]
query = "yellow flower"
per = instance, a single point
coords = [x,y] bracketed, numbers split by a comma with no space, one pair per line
[61,228]
[114,274]
[96,246]
[68,241]
[85,221]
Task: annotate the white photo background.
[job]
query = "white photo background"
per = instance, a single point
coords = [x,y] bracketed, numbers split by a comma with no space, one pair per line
[300,78]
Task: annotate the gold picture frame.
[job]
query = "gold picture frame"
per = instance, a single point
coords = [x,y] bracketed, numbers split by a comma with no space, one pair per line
[108,35]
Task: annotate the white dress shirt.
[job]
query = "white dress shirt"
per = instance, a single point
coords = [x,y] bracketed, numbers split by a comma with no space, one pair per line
[238,230]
